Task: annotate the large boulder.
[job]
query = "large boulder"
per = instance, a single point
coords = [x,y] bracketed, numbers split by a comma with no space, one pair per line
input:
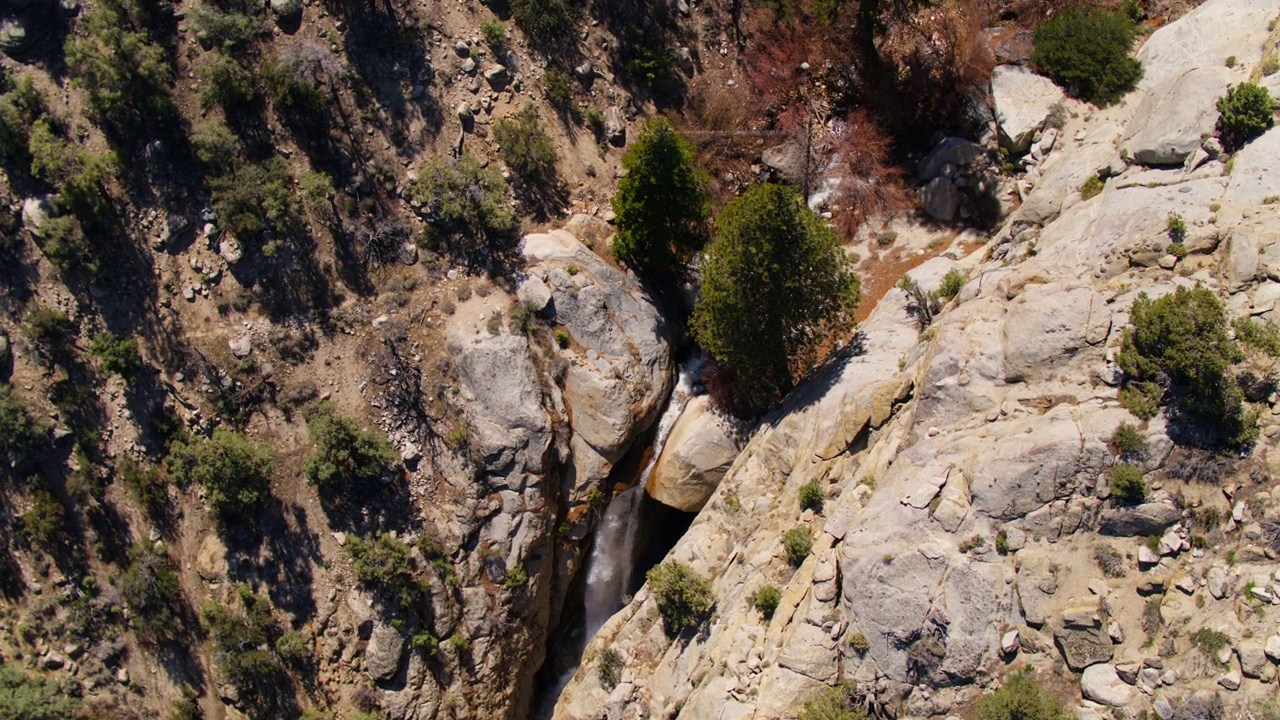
[619,364]
[1255,175]
[697,453]
[1023,102]
[1206,37]
[1082,637]
[1141,520]
[36,211]
[953,151]
[941,199]
[382,655]
[1101,684]
[1172,117]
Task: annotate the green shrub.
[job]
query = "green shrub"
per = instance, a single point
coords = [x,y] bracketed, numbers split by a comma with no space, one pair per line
[517,577]
[24,697]
[1261,335]
[1244,113]
[526,147]
[1091,187]
[383,563]
[124,74]
[1209,642]
[1002,542]
[226,83]
[242,638]
[345,454]
[424,641]
[52,334]
[21,104]
[1178,250]
[776,287]
[493,31]
[557,86]
[293,85]
[859,643]
[660,202]
[1183,337]
[595,122]
[18,433]
[1021,698]
[79,176]
[798,542]
[234,472]
[1127,483]
[562,338]
[465,199]
[952,283]
[1141,399]
[254,199]
[648,63]
[147,485]
[44,521]
[459,643]
[1176,227]
[523,316]
[548,25]
[188,709]
[766,600]
[837,703]
[150,589]
[811,496]
[226,29]
[684,597]
[609,668]
[1086,52]
[118,355]
[291,646]
[215,146]
[1128,439]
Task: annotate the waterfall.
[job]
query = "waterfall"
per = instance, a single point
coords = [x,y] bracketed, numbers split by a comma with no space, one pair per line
[613,554]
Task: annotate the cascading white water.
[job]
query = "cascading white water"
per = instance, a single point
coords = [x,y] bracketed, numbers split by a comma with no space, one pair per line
[613,554]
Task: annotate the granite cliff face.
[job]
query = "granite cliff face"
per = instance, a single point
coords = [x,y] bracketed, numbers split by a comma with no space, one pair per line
[965,467]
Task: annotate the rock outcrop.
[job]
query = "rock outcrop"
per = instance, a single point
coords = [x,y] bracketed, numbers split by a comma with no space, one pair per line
[1023,102]
[969,517]
[697,453]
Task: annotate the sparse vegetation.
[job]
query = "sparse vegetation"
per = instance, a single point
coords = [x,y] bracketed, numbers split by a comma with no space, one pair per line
[811,496]
[493,31]
[18,433]
[765,600]
[1261,335]
[149,587]
[124,74]
[233,471]
[837,703]
[1022,698]
[609,668]
[1176,227]
[345,453]
[1209,642]
[526,148]
[1127,483]
[1244,113]
[1092,187]
[797,543]
[684,597]
[1110,560]
[952,283]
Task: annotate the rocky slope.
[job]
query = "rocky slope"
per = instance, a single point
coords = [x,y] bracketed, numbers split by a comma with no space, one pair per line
[994,422]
